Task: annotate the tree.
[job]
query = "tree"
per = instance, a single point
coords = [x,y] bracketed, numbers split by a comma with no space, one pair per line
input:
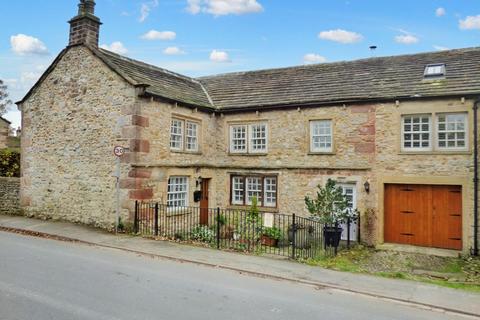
[331,205]
[4,101]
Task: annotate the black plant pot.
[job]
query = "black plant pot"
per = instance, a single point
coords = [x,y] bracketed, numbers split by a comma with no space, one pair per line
[332,236]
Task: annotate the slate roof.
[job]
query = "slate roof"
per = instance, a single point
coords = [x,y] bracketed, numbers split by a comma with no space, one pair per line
[161,82]
[5,120]
[351,81]
[373,79]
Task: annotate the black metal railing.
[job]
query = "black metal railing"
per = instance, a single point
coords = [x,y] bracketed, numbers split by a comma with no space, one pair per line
[231,229]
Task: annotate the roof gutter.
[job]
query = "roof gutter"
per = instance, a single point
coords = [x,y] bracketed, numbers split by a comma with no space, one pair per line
[475,178]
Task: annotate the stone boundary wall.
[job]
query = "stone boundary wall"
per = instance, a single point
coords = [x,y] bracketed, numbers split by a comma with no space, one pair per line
[10,196]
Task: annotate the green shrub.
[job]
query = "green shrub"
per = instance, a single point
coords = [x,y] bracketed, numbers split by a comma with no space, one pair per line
[273,233]
[203,234]
[9,163]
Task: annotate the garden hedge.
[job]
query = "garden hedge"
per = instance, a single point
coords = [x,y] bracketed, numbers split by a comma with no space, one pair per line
[9,163]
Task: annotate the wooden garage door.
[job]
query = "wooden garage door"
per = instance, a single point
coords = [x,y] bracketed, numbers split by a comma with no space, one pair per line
[424,215]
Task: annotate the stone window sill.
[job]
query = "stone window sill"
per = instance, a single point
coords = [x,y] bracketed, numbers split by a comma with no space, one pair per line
[248,154]
[453,152]
[246,208]
[312,153]
[186,152]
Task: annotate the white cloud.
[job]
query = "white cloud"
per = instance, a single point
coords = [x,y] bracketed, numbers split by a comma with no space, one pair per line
[194,6]
[224,7]
[313,58]
[172,51]
[406,39]
[25,45]
[116,47]
[24,83]
[470,22]
[440,12]
[159,35]
[219,56]
[146,8]
[440,48]
[341,36]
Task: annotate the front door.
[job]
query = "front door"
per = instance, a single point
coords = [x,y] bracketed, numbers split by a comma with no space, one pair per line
[204,202]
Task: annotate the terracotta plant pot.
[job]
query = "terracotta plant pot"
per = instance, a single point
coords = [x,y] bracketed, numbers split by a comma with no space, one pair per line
[269,242]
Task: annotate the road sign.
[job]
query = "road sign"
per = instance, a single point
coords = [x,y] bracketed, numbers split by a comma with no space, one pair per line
[119,151]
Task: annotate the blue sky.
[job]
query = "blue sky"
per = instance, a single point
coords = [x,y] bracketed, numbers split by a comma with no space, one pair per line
[202,37]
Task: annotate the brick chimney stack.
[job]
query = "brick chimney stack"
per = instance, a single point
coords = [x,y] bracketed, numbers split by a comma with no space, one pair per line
[85,27]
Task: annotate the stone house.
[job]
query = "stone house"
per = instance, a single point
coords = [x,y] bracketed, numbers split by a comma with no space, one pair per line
[4,132]
[397,133]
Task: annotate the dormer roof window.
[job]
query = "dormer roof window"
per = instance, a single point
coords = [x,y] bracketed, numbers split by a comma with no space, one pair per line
[435,70]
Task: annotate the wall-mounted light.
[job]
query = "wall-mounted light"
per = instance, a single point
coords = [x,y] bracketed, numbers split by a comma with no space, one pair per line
[366,185]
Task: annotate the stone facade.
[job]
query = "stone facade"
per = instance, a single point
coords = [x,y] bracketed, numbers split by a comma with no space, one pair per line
[67,162]
[10,196]
[4,128]
[366,148]
[86,109]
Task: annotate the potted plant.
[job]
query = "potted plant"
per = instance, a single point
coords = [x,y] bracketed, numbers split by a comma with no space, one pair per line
[331,208]
[270,236]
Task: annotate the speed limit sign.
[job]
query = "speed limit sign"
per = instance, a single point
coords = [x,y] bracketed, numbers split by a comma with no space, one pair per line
[119,151]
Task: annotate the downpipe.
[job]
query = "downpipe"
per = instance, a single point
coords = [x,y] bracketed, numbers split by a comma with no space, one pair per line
[475,178]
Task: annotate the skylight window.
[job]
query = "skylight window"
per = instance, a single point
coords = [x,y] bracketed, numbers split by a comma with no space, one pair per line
[434,70]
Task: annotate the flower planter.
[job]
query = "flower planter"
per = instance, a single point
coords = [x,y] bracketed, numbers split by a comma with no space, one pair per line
[268,241]
[331,236]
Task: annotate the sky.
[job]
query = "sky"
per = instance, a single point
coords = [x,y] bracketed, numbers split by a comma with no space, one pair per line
[204,37]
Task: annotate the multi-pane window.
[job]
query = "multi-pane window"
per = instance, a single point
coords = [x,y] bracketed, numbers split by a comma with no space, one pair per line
[252,138]
[238,190]
[270,197]
[177,194]
[254,189]
[442,132]
[452,131]
[349,193]
[184,135]
[192,136]
[238,138]
[258,138]
[245,188]
[176,134]
[416,132]
[321,136]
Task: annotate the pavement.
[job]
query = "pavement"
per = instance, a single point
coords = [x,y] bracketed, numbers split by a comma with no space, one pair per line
[43,279]
[403,291]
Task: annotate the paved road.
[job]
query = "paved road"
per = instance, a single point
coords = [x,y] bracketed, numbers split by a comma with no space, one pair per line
[46,279]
